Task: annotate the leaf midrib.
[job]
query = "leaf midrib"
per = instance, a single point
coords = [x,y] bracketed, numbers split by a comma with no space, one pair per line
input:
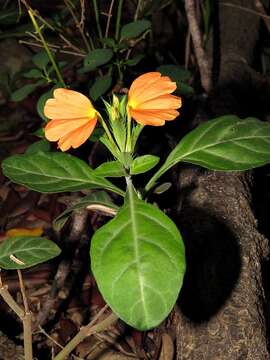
[212,145]
[136,246]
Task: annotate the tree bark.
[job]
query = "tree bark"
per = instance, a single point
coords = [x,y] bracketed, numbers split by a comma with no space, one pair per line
[221,309]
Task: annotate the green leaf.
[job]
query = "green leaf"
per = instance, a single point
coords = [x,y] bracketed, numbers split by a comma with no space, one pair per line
[53,172]
[9,17]
[33,74]
[101,85]
[134,61]
[110,169]
[95,198]
[143,164]
[24,91]
[176,72]
[135,29]
[41,59]
[162,188]
[41,145]
[227,143]
[97,58]
[138,261]
[42,100]
[180,75]
[21,252]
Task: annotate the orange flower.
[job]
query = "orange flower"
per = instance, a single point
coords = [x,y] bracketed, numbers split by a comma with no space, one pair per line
[73,118]
[150,101]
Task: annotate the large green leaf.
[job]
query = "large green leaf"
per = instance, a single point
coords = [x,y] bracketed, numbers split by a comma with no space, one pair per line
[143,164]
[21,252]
[135,29]
[97,58]
[101,85]
[100,198]
[110,169]
[138,261]
[227,143]
[53,172]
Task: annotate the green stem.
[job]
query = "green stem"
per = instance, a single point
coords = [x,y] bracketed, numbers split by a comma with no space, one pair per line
[118,19]
[46,47]
[128,143]
[83,333]
[105,127]
[97,19]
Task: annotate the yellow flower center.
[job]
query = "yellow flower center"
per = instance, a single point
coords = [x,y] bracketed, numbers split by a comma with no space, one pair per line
[92,113]
[132,104]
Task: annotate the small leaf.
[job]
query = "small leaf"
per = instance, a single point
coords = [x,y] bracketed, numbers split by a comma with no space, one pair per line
[96,197]
[41,145]
[135,29]
[180,75]
[135,60]
[138,261]
[41,59]
[110,169]
[101,85]
[51,172]
[227,143]
[42,100]
[97,58]
[21,252]
[23,92]
[143,164]
[162,188]
[175,72]
[33,74]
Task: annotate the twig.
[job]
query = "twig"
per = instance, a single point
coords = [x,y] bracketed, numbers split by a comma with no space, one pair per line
[78,25]
[85,332]
[187,49]
[27,321]
[137,10]
[42,331]
[118,19]
[7,297]
[201,57]
[97,19]
[109,16]
[48,51]
[266,18]
[54,48]
[263,15]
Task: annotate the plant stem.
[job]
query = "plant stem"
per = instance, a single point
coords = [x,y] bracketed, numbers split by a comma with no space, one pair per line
[97,19]
[118,19]
[137,10]
[27,322]
[109,19]
[27,336]
[85,332]
[107,131]
[10,301]
[128,143]
[78,25]
[46,47]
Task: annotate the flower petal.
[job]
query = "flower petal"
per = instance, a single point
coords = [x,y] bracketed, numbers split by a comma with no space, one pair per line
[162,102]
[68,104]
[142,82]
[159,88]
[77,137]
[153,117]
[55,129]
